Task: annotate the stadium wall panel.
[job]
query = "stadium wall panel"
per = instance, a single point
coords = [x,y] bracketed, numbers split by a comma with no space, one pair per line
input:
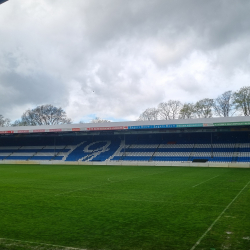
[162,164]
[68,163]
[179,164]
[83,162]
[46,162]
[238,165]
[218,165]
[114,163]
[200,164]
[99,163]
[129,163]
[140,163]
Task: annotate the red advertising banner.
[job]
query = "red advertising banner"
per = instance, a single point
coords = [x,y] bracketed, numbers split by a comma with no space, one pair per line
[55,130]
[23,131]
[39,131]
[6,132]
[75,129]
[107,128]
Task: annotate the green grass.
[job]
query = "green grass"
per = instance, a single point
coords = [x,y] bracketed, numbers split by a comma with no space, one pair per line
[123,208]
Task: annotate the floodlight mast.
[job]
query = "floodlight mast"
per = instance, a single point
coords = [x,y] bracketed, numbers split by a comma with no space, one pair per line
[3,1]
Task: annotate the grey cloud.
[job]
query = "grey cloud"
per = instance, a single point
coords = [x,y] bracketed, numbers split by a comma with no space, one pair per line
[19,89]
[211,25]
[219,21]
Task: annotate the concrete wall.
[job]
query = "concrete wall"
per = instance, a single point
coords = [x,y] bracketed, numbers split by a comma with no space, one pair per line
[134,163]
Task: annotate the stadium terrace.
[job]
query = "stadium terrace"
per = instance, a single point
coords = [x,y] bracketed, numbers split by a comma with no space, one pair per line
[206,142]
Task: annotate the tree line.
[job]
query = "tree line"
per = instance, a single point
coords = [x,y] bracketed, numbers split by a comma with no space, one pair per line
[43,115]
[225,105]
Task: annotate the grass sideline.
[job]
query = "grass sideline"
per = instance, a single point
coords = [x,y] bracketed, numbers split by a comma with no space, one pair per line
[123,208]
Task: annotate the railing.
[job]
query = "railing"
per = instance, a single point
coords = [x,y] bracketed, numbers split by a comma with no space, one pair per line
[154,153]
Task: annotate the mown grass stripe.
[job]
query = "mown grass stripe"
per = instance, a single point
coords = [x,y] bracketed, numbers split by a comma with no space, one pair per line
[154,201]
[109,182]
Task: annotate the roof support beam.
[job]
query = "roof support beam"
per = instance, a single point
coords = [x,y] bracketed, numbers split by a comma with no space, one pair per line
[3,1]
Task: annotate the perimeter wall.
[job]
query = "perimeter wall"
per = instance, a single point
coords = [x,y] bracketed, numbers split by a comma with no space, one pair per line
[131,163]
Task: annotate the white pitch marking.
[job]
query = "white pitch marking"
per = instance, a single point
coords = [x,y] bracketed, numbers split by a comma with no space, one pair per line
[205,181]
[246,238]
[45,244]
[111,182]
[198,242]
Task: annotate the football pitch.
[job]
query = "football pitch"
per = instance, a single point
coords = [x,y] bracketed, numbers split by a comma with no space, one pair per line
[123,208]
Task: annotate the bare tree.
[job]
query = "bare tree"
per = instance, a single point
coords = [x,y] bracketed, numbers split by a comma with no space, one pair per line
[19,123]
[169,110]
[241,99]
[204,108]
[98,120]
[187,111]
[45,115]
[149,114]
[4,122]
[223,104]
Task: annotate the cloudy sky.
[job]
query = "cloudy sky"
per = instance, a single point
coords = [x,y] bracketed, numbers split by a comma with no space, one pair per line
[115,58]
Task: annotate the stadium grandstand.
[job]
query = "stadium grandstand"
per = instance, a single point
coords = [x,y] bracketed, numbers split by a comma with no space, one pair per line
[189,141]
